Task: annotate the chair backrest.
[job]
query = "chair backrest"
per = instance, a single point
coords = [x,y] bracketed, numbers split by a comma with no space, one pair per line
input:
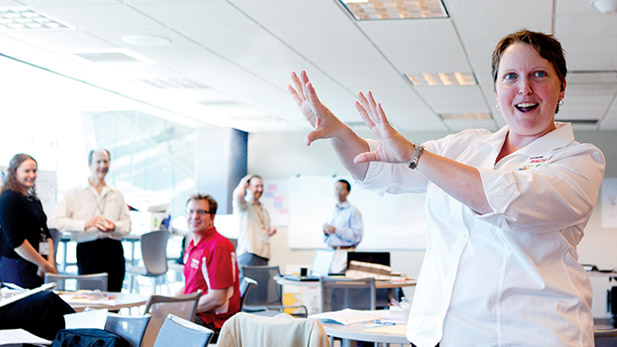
[93,281]
[129,327]
[154,252]
[244,329]
[159,306]
[181,332]
[246,286]
[267,292]
[234,242]
[605,338]
[340,293]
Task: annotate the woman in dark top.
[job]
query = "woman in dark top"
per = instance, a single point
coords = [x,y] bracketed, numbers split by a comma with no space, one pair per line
[27,248]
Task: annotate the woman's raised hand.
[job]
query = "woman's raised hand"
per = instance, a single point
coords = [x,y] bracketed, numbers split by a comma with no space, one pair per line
[325,124]
[392,147]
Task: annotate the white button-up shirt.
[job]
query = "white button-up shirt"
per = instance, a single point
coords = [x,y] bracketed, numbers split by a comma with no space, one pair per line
[510,277]
[82,203]
[347,222]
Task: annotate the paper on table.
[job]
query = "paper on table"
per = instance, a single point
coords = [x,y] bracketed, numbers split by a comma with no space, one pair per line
[398,329]
[93,319]
[347,316]
[20,336]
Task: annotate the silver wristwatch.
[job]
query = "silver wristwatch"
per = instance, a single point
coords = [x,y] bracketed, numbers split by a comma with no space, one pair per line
[415,157]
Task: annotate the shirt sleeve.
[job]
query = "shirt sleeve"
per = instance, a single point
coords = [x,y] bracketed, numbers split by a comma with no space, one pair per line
[393,178]
[10,216]
[219,263]
[62,217]
[557,195]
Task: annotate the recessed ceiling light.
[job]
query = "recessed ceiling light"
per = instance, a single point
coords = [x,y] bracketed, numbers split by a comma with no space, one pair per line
[24,18]
[395,9]
[442,79]
[146,40]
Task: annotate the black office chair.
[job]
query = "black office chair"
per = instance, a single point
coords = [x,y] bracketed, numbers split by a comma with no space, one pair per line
[267,295]
[341,293]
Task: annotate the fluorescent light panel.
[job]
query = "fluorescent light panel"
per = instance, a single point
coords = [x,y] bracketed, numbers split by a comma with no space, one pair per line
[395,9]
[465,116]
[442,79]
[24,18]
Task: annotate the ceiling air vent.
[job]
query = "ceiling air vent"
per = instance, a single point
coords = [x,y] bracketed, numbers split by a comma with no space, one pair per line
[113,56]
[592,77]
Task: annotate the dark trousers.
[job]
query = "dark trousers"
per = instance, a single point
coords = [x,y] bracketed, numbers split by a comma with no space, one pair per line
[20,272]
[42,314]
[102,255]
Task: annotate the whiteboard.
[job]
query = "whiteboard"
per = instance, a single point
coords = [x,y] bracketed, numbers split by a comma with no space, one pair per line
[391,222]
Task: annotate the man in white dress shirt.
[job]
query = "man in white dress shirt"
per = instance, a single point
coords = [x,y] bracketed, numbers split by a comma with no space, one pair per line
[97,216]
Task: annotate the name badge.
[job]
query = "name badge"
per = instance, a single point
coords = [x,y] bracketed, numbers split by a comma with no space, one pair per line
[534,161]
[44,248]
[195,263]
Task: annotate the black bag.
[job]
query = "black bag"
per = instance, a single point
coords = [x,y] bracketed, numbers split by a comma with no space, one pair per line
[88,338]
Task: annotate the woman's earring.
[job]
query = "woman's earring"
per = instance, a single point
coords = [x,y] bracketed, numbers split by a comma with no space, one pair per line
[497,106]
[560,103]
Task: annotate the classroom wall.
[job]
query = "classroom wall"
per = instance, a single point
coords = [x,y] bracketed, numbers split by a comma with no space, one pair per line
[281,155]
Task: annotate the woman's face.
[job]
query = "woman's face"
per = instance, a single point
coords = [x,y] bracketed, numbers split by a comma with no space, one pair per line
[26,175]
[527,90]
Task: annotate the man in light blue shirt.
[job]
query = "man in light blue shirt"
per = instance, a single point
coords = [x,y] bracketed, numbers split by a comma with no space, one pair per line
[343,227]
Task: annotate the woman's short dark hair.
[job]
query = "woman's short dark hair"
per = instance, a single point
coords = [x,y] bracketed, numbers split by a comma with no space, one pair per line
[547,47]
[10,182]
[213,204]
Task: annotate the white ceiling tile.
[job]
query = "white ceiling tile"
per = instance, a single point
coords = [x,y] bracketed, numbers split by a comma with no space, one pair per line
[205,14]
[496,8]
[62,41]
[93,17]
[454,99]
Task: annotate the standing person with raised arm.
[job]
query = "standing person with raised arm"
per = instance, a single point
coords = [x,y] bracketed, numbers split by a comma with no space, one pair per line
[26,246]
[97,216]
[506,210]
[254,221]
[343,227]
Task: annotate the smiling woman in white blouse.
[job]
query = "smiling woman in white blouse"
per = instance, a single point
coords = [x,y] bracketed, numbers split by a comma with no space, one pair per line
[506,210]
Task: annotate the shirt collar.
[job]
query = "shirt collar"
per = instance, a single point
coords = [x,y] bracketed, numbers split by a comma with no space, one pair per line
[342,205]
[560,137]
[107,188]
[205,236]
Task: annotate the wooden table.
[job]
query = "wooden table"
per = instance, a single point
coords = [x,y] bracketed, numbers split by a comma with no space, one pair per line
[358,333]
[122,300]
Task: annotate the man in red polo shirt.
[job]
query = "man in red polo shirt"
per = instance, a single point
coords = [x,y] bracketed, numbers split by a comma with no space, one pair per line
[210,265]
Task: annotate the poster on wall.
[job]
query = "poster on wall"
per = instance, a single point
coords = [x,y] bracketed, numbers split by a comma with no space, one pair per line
[276,200]
[390,221]
[609,203]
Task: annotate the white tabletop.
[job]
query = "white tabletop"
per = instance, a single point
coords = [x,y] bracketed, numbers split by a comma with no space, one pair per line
[358,333]
[121,300]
